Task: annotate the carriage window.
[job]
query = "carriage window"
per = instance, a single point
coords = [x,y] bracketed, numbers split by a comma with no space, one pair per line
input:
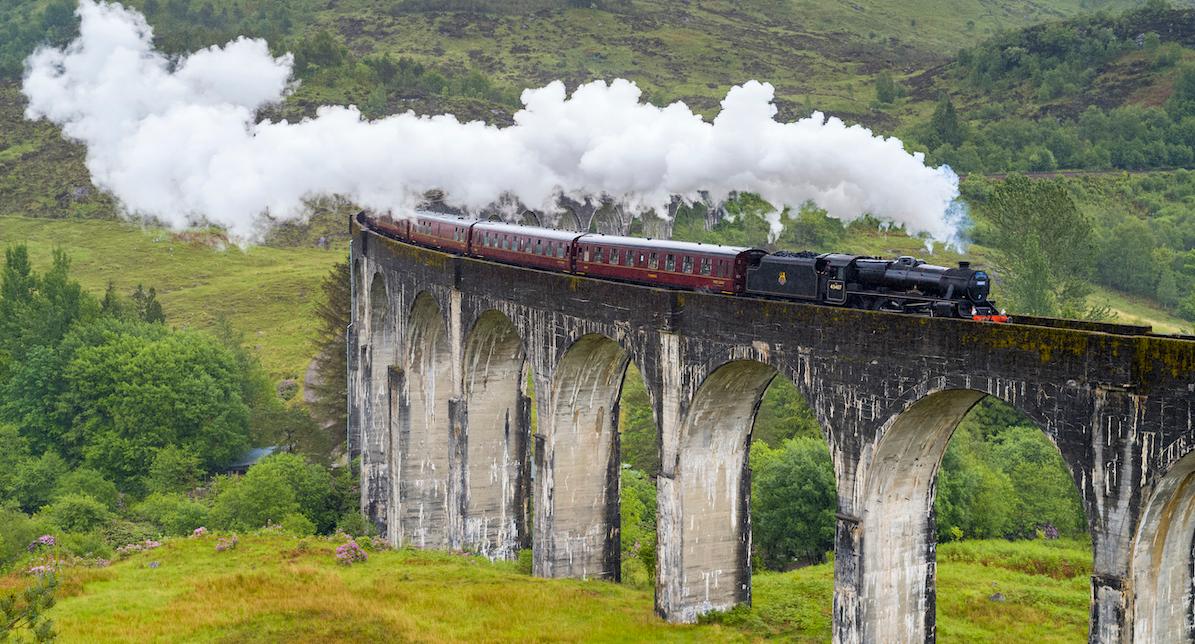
[628,257]
[539,249]
[653,262]
[560,250]
[670,263]
[687,264]
[585,255]
[597,252]
[705,266]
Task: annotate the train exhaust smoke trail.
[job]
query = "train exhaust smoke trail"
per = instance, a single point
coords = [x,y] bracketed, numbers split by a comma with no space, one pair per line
[179,140]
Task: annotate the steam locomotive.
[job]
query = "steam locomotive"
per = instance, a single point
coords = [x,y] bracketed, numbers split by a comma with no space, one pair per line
[903,285]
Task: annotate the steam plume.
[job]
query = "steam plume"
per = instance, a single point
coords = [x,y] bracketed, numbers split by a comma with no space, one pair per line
[179,140]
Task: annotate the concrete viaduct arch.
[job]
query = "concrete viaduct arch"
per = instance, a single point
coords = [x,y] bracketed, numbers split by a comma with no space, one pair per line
[888,391]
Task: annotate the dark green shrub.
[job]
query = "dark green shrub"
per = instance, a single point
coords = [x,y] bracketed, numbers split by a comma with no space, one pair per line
[76,513]
[172,514]
[89,482]
[355,524]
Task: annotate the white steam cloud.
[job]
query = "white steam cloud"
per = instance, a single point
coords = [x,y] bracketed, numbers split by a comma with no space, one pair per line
[179,140]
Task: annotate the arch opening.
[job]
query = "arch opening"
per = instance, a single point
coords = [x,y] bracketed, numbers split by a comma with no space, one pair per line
[562,218]
[1163,556]
[421,428]
[608,219]
[955,465]
[497,439]
[639,455]
[528,218]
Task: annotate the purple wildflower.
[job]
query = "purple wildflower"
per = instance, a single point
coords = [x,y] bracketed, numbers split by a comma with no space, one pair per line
[350,553]
[42,570]
[199,532]
[1049,531]
[44,541]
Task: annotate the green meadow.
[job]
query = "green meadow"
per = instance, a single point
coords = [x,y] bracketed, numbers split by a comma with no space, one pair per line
[278,588]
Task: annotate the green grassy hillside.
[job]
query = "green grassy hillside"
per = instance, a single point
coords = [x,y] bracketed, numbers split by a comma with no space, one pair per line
[274,588]
[267,293]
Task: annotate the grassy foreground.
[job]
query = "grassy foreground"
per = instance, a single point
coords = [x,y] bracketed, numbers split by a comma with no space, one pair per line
[277,588]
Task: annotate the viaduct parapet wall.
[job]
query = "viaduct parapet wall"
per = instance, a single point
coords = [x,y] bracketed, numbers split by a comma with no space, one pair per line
[440,348]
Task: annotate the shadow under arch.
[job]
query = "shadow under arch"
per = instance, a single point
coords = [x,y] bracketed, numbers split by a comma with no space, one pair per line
[421,428]
[1162,559]
[497,438]
[576,501]
[704,544]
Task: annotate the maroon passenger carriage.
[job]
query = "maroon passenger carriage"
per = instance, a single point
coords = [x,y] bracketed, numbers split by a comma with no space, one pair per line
[698,267]
[524,245]
[446,232]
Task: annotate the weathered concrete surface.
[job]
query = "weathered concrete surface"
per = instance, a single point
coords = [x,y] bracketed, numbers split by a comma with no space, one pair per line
[898,578]
[705,558]
[421,430]
[578,519]
[1162,575]
[497,438]
[887,390]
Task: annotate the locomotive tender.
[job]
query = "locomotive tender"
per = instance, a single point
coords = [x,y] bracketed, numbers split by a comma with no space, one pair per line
[903,285]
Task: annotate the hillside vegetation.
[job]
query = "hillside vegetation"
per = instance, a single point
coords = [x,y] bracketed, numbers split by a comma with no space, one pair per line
[265,292]
[276,588]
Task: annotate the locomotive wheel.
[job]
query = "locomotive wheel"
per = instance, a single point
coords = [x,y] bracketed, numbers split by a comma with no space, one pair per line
[891,306]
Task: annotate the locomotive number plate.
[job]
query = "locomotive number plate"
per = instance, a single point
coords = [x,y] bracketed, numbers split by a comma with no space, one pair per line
[836,291]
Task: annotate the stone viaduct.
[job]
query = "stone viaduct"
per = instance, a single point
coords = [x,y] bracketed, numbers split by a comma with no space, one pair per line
[440,346]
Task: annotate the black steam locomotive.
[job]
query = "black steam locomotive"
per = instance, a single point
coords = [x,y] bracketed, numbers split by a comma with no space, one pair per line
[903,285]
